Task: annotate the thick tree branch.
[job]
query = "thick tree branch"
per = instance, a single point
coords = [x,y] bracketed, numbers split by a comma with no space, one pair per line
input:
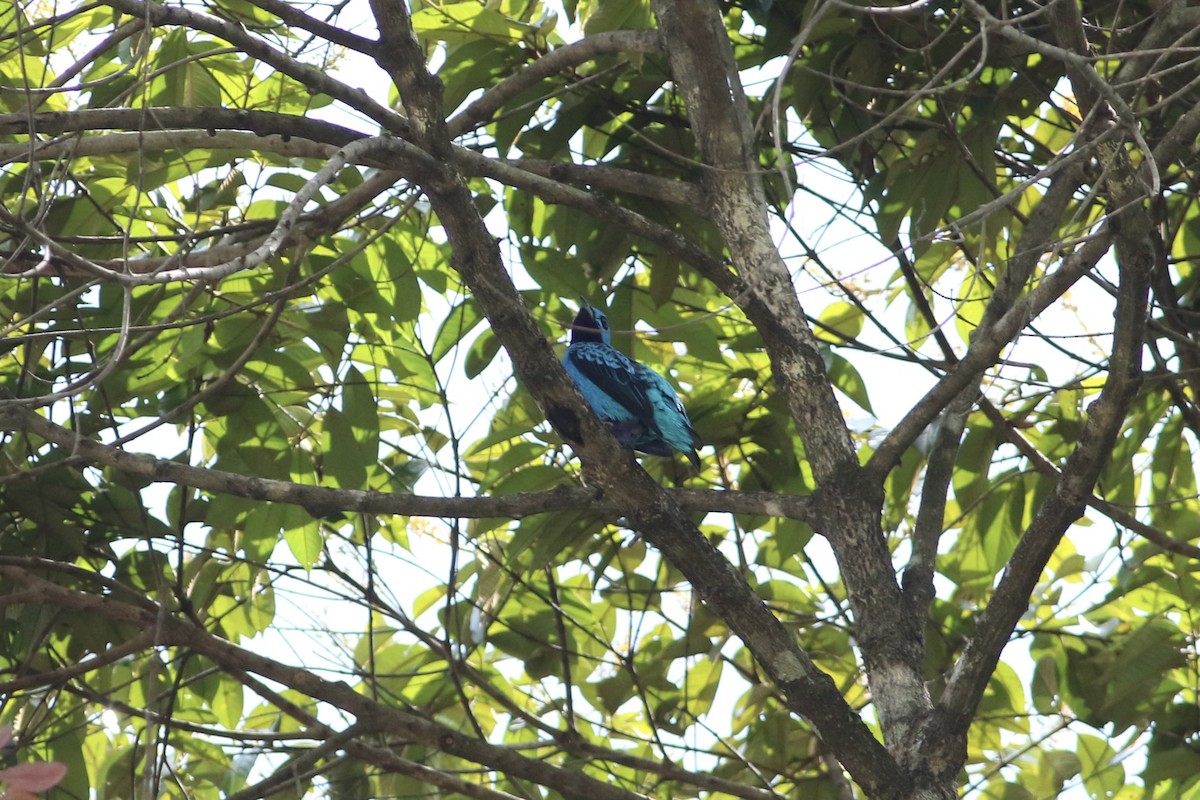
[1037,238]
[166,119]
[179,141]
[279,132]
[1137,257]
[1105,419]
[849,501]
[321,501]
[652,512]
[703,69]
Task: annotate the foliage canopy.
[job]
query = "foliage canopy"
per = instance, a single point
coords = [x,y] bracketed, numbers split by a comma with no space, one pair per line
[281,513]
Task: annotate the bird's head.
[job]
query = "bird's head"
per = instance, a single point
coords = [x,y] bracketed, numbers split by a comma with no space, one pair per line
[591,325]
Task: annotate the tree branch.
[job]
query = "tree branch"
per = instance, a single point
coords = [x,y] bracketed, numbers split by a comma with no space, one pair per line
[985,347]
[322,501]
[171,631]
[550,190]
[557,60]
[703,69]
[848,501]
[310,225]
[296,135]
[1037,237]
[181,141]
[931,513]
[319,28]
[652,512]
[1136,250]
[1011,598]
[602,176]
[278,237]
[58,677]
[315,79]
[168,119]
[1089,87]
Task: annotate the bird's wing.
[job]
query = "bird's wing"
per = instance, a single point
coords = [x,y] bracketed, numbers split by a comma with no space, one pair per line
[657,383]
[669,403]
[614,374]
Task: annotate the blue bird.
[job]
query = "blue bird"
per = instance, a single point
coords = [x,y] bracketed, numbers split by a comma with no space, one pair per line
[636,403]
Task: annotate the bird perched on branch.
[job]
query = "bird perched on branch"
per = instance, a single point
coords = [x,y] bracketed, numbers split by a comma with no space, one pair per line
[636,403]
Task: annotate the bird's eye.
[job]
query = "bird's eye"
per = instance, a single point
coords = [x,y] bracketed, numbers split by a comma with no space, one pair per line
[604,323]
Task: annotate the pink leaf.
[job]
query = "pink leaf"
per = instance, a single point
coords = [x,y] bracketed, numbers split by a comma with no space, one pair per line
[35,777]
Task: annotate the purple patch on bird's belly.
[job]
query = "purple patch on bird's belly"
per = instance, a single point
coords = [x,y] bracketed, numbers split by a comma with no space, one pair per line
[626,431]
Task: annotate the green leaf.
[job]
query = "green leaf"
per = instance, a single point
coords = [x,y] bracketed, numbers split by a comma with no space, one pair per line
[352,433]
[483,350]
[461,23]
[227,703]
[306,543]
[614,15]
[1102,773]
[848,381]
[185,80]
[972,300]
[839,322]
[461,320]
[1136,673]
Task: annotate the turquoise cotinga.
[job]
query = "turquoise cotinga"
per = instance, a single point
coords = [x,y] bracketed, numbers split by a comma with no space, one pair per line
[636,403]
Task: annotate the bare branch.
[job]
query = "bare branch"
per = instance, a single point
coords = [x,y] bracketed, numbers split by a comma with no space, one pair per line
[985,347]
[321,500]
[330,33]
[200,118]
[158,15]
[165,141]
[931,513]
[601,176]
[1105,418]
[1137,258]
[557,60]
[171,631]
